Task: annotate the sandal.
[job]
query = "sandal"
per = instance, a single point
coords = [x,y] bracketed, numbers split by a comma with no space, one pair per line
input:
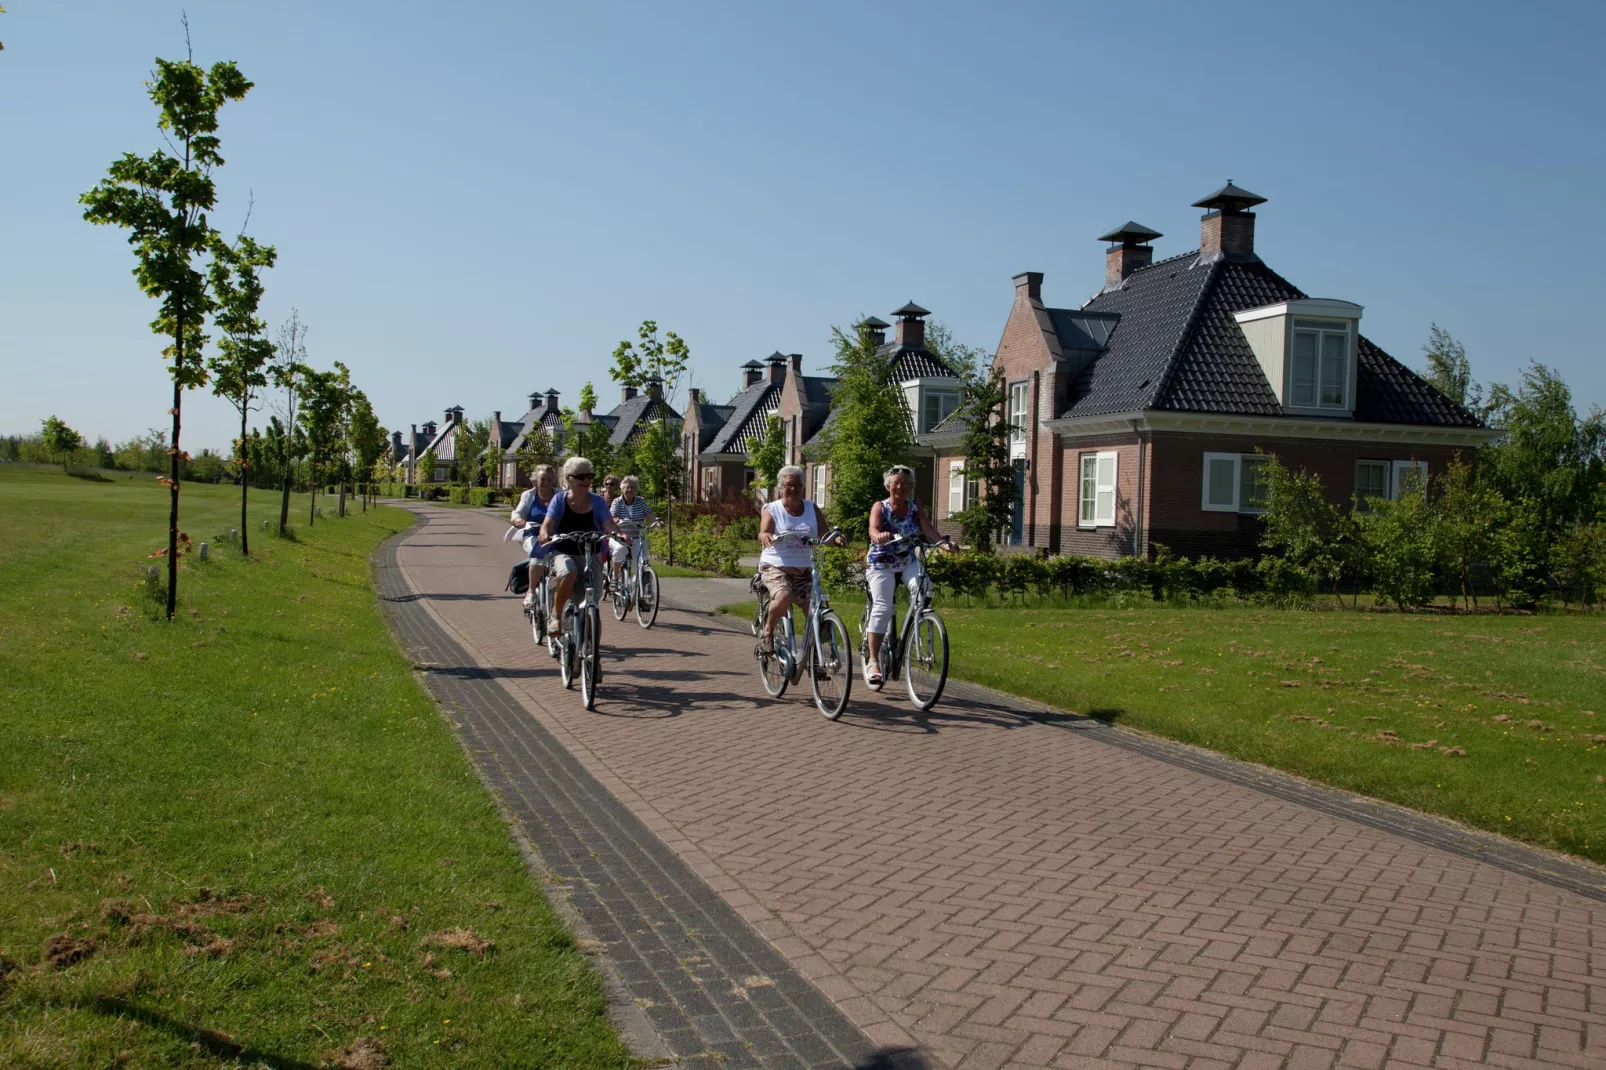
[766,647]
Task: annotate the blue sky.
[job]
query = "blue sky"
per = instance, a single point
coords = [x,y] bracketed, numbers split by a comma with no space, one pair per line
[475,201]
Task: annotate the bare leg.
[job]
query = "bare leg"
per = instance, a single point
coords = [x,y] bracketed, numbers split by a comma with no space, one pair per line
[780,606]
[560,597]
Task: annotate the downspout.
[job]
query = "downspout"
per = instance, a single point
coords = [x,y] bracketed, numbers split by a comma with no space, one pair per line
[1139,547]
[1029,521]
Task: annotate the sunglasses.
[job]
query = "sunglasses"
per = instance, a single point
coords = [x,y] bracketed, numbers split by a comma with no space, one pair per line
[582,475]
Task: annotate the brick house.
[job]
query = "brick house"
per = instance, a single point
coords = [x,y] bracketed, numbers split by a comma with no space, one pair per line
[1140,413]
[545,413]
[442,438]
[719,439]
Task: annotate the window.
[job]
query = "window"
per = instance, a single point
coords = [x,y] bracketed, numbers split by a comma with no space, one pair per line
[1409,476]
[1017,417]
[937,406]
[1371,481]
[1319,370]
[1234,483]
[1096,508]
[956,487]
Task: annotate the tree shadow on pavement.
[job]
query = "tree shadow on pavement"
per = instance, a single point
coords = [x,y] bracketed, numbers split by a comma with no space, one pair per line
[653,702]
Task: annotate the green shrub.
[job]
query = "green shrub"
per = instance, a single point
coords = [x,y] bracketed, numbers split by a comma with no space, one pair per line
[744,528]
[459,495]
[704,547]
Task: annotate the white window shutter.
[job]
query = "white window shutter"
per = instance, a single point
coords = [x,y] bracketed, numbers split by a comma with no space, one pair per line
[1220,483]
[956,486]
[1104,502]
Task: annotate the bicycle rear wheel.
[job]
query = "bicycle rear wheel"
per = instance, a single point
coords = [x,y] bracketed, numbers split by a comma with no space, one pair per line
[833,666]
[616,595]
[590,656]
[647,598]
[925,660]
[775,668]
[566,657]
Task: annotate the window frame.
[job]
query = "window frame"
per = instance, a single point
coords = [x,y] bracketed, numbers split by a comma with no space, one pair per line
[1019,417]
[1087,518]
[947,402]
[956,476]
[1387,469]
[1240,462]
[1397,469]
[1320,328]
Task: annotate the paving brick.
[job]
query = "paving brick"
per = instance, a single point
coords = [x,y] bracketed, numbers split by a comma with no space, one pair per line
[1051,885]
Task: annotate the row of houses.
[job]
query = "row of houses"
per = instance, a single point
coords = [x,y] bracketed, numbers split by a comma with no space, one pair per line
[1142,416]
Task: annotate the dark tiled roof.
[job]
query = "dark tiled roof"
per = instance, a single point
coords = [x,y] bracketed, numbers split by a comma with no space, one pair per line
[710,418]
[914,362]
[1080,329]
[1177,347]
[629,417]
[748,407]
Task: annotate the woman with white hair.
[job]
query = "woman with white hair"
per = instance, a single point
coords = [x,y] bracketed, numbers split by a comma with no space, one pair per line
[576,509]
[633,513]
[527,517]
[787,569]
[899,515]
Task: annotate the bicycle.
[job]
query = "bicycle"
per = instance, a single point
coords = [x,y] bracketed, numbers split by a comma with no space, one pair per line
[825,653]
[581,631]
[637,586]
[923,649]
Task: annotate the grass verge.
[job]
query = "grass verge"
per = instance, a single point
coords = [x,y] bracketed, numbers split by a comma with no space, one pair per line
[247,836]
[1496,721]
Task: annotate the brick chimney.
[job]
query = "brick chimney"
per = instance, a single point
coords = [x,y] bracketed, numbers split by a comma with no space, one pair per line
[551,401]
[429,430]
[655,388]
[694,396]
[911,329]
[1127,252]
[1228,226]
[626,393]
[794,361]
[535,401]
[775,370]
[752,372]
[876,328]
[1029,284]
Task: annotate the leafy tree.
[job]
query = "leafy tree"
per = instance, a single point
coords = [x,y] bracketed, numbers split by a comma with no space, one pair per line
[1449,369]
[424,470]
[641,457]
[1469,514]
[770,456]
[1402,542]
[327,398]
[644,364]
[470,441]
[1550,460]
[537,450]
[60,440]
[368,439]
[290,373]
[163,201]
[985,445]
[871,429]
[239,371]
[970,362]
[1301,523]
[103,453]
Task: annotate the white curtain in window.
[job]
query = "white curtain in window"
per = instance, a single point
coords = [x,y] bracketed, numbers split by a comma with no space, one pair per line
[956,487]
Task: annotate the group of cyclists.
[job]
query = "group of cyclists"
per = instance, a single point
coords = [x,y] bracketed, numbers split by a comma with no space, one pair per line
[560,529]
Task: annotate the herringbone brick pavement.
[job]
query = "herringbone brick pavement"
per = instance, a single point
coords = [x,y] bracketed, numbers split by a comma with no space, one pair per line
[1004,892]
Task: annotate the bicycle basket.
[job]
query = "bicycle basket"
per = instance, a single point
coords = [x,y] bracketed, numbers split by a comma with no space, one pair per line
[518,579]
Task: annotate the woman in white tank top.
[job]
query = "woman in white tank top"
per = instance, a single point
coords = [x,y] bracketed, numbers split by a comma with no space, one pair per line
[786,569]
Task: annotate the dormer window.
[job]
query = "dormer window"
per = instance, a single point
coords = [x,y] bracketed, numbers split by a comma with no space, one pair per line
[1320,372]
[1306,348]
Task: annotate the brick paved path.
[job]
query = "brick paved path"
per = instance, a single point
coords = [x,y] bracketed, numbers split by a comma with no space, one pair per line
[1001,891]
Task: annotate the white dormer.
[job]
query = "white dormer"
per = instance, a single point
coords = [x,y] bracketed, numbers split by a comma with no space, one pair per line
[1307,350]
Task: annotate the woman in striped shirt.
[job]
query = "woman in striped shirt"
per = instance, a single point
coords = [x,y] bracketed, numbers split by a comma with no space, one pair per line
[633,513]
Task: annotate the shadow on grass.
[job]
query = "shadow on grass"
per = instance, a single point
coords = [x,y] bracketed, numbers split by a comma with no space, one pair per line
[89,476]
[207,1040]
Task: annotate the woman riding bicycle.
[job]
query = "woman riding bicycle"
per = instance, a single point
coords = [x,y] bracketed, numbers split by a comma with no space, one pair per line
[629,508]
[575,510]
[527,516]
[786,568]
[897,516]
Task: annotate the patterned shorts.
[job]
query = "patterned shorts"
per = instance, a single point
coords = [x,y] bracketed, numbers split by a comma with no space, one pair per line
[800,581]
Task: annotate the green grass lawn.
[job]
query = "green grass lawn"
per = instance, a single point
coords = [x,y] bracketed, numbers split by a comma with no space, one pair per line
[1497,721]
[247,837]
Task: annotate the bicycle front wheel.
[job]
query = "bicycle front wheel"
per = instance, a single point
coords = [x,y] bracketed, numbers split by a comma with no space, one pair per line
[590,656]
[647,598]
[775,668]
[833,666]
[925,660]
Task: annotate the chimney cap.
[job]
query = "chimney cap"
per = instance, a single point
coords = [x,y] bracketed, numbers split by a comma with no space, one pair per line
[1130,233]
[752,364]
[552,391]
[776,357]
[875,323]
[911,311]
[1230,198]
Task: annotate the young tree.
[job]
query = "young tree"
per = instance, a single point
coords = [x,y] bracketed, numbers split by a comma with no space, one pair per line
[470,441]
[1469,514]
[239,371]
[289,375]
[323,416]
[643,364]
[424,470]
[770,456]
[1402,543]
[985,445]
[1301,523]
[537,450]
[1449,369]
[871,430]
[60,440]
[163,201]
[1550,461]
[368,439]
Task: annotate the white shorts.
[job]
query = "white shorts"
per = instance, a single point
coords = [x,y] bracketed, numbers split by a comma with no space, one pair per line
[569,564]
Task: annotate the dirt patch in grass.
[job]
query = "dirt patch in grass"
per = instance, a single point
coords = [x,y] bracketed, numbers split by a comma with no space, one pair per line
[64,949]
[459,940]
[365,1053]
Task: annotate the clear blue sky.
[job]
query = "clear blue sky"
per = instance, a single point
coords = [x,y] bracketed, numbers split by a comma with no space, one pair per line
[474,201]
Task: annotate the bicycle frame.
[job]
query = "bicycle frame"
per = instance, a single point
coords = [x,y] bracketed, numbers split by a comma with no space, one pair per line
[919,602]
[819,603]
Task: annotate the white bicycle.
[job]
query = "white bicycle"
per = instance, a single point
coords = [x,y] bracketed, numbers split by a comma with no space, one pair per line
[824,654]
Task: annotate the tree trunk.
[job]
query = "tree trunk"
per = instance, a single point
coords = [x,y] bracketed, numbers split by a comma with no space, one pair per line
[173,474]
[245,488]
[340,509]
[284,502]
[312,509]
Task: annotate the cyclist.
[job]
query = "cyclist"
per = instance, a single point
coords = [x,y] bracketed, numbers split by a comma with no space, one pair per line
[786,570]
[629,508]
[576,509]
[610,489]
[899,515]
[527,517]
